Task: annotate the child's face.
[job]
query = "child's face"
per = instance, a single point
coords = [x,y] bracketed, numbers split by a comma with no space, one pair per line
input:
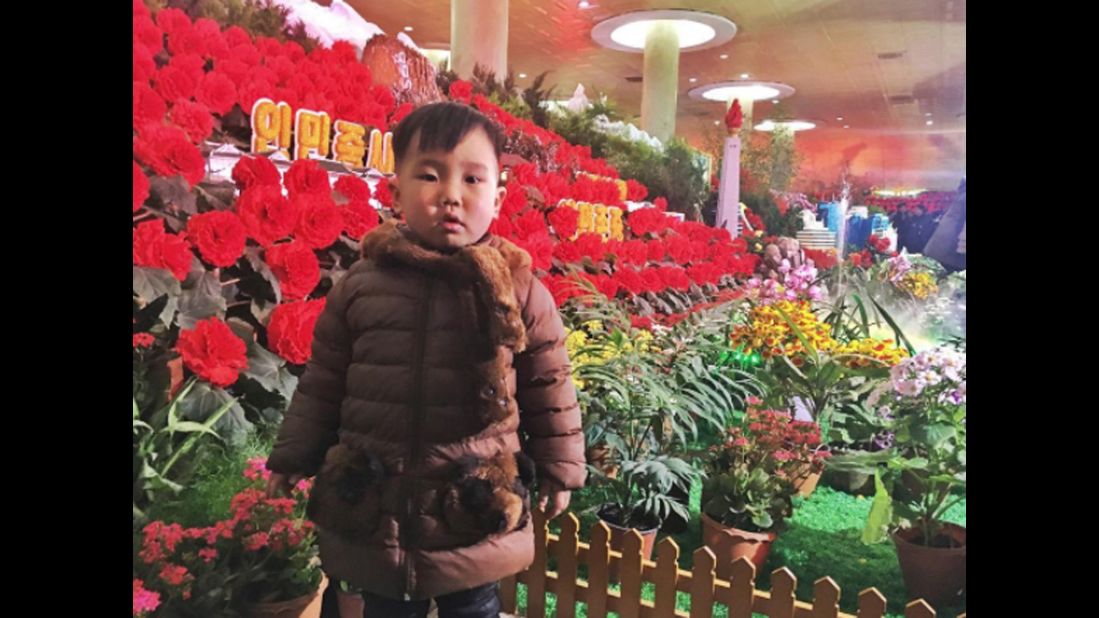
[449,199]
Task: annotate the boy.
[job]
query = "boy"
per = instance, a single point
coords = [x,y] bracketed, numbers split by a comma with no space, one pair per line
[409,409]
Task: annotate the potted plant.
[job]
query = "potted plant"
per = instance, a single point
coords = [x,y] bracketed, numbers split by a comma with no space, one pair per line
[923,474]
[259,561]
[749,485]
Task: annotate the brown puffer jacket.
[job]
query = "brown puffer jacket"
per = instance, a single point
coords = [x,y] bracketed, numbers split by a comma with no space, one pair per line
[425,368]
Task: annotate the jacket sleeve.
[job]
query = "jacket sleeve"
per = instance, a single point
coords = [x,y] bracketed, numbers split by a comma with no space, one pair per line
[549,412]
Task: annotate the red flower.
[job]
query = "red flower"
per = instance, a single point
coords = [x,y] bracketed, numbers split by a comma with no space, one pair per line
[531,223]
[154,248]
[634,252]
[383,195]
[187,41]
[382,96]
[246,53]
[653,281]
[824,260]
[674,277]
[540,247]
[267,215]
[282,66]
[255,171]
[213,352]
[344,52]
[220,237]
[172,20]
[214,43]
[191,64]
[399,114]
[235,35]
[647,221]
[631,280]
[353,188]
[461,91]
[660,204]
[656,250]
[561,288]
[514,203]
[144,65]
[148,105]
[591,245]
[270,46]
[862,259]
[603,284]
[174,575]
[880,244]
[257,541]
[194,119]
[217,92]
[679,249]
[359,218]
[144,340]
[296,267]
[141,187]
[306,176]
[170,153]
[501,226]
[148,35]
[320,221]
[641,322]
[290,331]
[525,173]
[635,191]
[553,187]
[703,273]
[567,252]
[252,90]
[564,221]
[173,82]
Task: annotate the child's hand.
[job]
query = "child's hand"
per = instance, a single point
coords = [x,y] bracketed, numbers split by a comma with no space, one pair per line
[554,499]
[282,483]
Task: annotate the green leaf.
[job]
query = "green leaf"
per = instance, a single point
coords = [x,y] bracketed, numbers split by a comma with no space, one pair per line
[152,283]
[268,369]
[202,301]
[881,513]
[893,325]
[933,435]
[205,401]
[864,321]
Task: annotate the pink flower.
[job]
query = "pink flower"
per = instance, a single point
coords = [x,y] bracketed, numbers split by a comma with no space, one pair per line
[145,601]
[257,541]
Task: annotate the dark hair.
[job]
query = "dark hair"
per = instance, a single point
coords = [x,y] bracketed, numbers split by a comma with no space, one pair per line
[440,127]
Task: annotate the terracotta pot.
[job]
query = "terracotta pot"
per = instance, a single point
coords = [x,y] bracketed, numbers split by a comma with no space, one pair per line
[935,574]
[307,606]
[618,540]
[754,546]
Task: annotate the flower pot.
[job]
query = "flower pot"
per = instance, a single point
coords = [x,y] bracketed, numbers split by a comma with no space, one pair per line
[934,573]
[754,546]
[854,483]
[806,483]
[618,540]
[306,606]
